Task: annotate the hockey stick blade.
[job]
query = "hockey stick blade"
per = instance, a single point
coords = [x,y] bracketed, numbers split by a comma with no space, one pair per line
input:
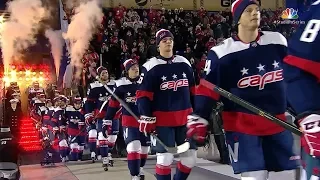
[250,107]
[173,150]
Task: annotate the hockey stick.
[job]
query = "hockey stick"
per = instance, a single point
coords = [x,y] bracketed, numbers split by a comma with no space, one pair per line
[174,150]
[250,107]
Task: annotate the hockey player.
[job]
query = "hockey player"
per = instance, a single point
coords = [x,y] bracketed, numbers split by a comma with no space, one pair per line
[164,101]
[38,102]
[137,143]
[59,127]
[248,65]
[301,72]
[76,129]
[95,107]
[46,131]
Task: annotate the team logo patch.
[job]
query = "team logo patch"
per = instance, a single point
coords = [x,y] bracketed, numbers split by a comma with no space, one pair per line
[174,85]
[261,80]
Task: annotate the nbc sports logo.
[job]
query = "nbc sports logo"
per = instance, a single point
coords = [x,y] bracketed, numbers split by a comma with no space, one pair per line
[289,13]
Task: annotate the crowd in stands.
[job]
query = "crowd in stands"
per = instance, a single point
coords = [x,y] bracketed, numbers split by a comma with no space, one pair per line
[130,33]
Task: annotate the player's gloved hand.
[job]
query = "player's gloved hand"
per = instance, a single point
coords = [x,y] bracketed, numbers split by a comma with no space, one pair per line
[62,128]
[55,130]
[89,118]
[197,128]
[147,124]
[310,140]
[106,127]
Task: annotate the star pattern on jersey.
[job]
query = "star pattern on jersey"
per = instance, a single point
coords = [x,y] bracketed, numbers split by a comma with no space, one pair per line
[128,94]
[164,78]
[261,67]
[244,71]
[275,64]
[174,76]
[184,75]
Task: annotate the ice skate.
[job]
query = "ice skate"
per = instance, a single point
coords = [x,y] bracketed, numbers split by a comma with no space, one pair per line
[93,157]
[64,159]
[110,160]
[105,162]
[135,178]
[141,175]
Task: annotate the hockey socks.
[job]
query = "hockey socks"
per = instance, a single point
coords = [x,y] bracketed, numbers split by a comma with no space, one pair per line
[63,148]
[134,163]
[182,172]
[74,152]
[92,142]
[163,172]
[143,159]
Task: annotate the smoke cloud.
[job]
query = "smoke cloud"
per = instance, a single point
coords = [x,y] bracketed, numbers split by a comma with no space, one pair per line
[84,23]
[56,41]
[19,31]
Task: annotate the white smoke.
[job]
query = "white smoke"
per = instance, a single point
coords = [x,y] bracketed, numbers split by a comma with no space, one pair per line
[19,31]
[56,41]
[84,23]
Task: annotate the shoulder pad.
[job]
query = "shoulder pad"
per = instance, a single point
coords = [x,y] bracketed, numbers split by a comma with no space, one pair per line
[57,109]
[95,84]
[181,59]
[152,63]
[43,108]
[112,82]
[270,37]
[51,108]
[69,108]
[122,81]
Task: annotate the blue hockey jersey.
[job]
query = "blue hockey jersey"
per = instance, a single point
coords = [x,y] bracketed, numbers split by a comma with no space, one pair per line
[46,113]
[251,71]
[74,119]
[166,90]
[58,118]
[98,97]
[126,91]
[302,65]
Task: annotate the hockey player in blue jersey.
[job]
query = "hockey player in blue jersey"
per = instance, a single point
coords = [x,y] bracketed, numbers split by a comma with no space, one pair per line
[59,124]
[302,74]
[164,100]
[137,143]
[76,129]
[95,109]
[248,65]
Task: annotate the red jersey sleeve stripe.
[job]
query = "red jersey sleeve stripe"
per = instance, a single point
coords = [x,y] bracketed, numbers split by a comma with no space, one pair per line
[204,91]
[304,64]
[141,94]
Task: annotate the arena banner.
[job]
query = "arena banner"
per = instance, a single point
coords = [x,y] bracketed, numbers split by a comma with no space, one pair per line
[157,4]
[221,5]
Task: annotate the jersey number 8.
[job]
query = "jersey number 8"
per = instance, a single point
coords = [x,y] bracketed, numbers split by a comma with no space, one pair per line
[310,31]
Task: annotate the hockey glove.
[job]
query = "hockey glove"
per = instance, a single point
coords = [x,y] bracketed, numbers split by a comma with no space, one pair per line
[106,128]
[89,118]
[147,124]
[310,140]
[55,130]
[197,128]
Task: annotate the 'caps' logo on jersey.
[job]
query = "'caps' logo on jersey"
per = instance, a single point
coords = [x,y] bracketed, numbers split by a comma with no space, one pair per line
[311,124]
[289,13]
[260,81]
[174,85]
[132,99]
